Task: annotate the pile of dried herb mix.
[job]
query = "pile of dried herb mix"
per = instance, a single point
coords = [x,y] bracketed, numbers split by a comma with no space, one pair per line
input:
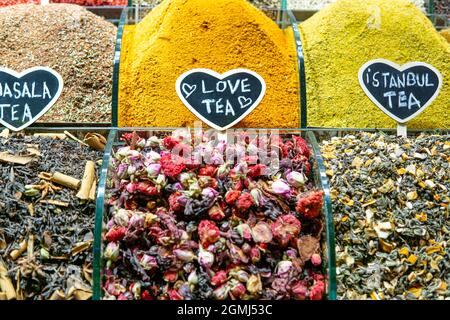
[391,212]
[181,231]
[46,230]
[71,40]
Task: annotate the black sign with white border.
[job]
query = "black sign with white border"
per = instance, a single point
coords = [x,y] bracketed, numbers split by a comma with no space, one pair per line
[26,96]
[220,100]
[401,92]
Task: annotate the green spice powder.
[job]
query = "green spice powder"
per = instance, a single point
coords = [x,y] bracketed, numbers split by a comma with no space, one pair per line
[339,39]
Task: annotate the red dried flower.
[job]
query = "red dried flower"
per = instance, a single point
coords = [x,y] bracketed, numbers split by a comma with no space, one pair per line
[172,166]
[300,290]
[147,188]
[238,290]
[317,290]
[208,233]
[174,204]
[219,278]
[115,234]
[232,196]
[175,295]
[216,213]
[256,170]
[170,276]
[170,142]
[286,228]
[244,202]
[301,146]
[208,171]
[310,204]
[146,295]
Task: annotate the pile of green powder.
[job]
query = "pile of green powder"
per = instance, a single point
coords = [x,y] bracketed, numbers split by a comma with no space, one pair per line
[342,37]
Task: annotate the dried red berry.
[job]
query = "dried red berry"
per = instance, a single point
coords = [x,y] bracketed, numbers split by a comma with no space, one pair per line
[244,202]
[172,166]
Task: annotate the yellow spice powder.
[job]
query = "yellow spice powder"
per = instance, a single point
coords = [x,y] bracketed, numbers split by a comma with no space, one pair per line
[179,35]
[446,34]
[342,37]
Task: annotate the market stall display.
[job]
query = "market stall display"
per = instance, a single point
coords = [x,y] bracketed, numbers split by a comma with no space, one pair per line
[244,230]
[74,42]
[155,53]
[47,215]
[390,200]
[320,4]
[366,30]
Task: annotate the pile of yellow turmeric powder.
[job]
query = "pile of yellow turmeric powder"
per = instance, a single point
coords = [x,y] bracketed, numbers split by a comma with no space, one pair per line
[342,37]
[179,35]
[446,34]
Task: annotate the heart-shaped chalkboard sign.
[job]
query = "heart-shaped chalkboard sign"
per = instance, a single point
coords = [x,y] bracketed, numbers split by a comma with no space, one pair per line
[26,96]
[220,100]
[402,92]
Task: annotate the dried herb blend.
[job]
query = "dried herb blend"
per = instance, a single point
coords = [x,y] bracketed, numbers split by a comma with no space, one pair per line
[72,41]
[46,230]
[176,230]
[391,213]
[159,49]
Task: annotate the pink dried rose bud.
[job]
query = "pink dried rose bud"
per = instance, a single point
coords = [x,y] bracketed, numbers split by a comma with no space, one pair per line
[170,276]
[112,251]
[175,295]
[285,229]
[208,232]
[280,187]
[317,290]
[121,218]
[205,258]
[244,231]
[216,213]
[296,179]
[219,278]
[184,255]
[284,267]
[316,260]
[148,262]
[221,293]
[255,255]
[153,170]
[237,289]
[239,275]
[261,233]
[300,291]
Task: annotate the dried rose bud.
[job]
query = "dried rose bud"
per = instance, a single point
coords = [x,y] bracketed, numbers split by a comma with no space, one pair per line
[148,262]
[122,171]
[121,217]
[316,260]
[112,251]
[232,196]
[255,255]
[244,202]
[184,255]
[208,232]
[170,276]
[261,233]
[281,188]
[236,254]
[219,278]
[300,291]
[209,193]
[136,289]
[193,278]
[254,284]
[131,169]
[207,171]
[310,204]
[246,248]
[284,267]
[153,156]
[175,295]
[150,219]
[258,197]
[205,258]
[296,179]
[153,170]
[222,171]
[257,170]
[115,234]
[137,221]
[216,213]
[240,275]
[244,231]
[194,189]
[237,289]
[184,178]
[317,290]
[221,293]
[286,228]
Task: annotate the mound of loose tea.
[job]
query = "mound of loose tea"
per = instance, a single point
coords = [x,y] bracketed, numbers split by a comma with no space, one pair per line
[180,35]
[391,200]
[46,217]
[342,37]
[74,42]
[181,229]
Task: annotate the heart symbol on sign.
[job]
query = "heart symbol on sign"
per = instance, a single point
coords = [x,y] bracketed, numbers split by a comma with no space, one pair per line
[401,92]
[220,100]
[37,88]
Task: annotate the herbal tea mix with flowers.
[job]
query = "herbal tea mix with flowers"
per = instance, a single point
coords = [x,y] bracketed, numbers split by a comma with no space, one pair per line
[212,229]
